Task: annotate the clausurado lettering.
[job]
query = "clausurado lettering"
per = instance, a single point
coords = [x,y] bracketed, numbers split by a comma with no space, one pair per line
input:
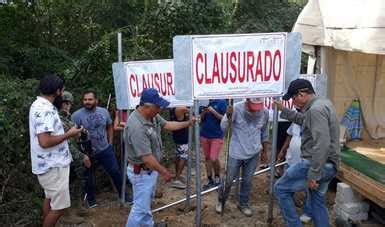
[269,103]
[238,67]
[162,81]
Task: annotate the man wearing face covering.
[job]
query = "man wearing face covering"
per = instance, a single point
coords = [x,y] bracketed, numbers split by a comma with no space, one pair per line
[249,139]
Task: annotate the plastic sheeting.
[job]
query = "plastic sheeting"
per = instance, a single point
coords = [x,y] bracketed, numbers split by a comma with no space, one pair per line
[350,25]
[357,75]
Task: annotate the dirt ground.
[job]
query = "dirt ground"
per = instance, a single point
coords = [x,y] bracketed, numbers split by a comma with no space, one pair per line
[111,213]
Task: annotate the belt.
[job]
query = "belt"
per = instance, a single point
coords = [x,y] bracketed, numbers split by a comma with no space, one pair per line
[137,168]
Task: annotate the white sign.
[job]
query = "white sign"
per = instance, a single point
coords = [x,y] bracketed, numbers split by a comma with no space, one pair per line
[139,75]
[237,66]
[317,86]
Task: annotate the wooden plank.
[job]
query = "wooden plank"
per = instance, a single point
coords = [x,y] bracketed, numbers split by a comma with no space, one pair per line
[366,186]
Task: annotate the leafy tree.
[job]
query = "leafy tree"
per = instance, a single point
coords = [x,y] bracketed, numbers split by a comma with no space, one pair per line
[77,38]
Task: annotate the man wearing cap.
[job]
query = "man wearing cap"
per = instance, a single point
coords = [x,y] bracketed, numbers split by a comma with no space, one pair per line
[320,153]
[250,134]
[79,159]
[142,138]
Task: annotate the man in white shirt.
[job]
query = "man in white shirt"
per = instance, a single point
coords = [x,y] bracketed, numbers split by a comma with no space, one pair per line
[50,155]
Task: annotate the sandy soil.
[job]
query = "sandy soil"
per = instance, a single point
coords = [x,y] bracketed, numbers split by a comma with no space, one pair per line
[111,213]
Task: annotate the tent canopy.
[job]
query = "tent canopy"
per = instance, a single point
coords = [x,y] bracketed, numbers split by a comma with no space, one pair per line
[353,34]
[350,25]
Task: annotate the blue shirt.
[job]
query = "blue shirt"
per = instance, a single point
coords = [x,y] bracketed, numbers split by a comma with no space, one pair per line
[211,126]
[96,123]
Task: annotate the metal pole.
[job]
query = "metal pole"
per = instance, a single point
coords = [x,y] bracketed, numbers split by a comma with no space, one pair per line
[211,189]
[120,53]
[272,164]
[226,182]
[188,180]
[197,167]
[122,151]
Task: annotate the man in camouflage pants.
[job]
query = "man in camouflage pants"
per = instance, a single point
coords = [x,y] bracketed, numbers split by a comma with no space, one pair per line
[80,160]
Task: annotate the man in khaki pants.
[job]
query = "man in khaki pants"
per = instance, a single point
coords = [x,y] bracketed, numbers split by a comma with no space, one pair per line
[50,155]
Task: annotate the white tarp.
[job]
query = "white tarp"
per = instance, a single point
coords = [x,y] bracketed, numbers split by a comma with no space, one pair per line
[350,25]
[353,75]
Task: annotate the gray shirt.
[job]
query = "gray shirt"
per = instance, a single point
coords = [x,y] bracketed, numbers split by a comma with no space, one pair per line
[249,131]
[96,123]
[320,134]
[142,137]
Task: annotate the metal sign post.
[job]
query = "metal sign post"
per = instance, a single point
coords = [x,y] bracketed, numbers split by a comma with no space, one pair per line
[226,182]
[272,165]
[188,180]
[197,166]
[122,152]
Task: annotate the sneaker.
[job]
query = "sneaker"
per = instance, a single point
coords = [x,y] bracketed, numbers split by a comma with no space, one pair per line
[72,219]
[178,184]
[304,218]
[128,199]
[91,204]
[217,181]
[245,209]
[183,179]
[218,207]
[263,166]
[160,224]
[209,185]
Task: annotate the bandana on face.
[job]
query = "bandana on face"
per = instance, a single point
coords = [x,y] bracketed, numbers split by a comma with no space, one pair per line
[255,104]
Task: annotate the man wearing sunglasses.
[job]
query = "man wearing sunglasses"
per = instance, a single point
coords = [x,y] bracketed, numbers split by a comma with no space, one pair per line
[319,153]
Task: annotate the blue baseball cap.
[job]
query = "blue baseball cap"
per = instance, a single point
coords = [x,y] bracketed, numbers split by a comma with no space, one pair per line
[151,95]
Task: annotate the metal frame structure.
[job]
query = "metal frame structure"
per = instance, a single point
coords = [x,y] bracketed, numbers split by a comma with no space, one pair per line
[211,189]
[199,193]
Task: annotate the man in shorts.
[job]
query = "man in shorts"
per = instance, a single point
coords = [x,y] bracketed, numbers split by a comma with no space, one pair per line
[180,138]
[50,155]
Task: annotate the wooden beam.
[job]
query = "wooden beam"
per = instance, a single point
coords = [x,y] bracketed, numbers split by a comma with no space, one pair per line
[363,184]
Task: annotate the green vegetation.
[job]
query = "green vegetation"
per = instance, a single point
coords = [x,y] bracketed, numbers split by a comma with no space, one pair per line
[78,40]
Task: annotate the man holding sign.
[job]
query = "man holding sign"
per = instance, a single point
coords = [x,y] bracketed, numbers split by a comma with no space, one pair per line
[142,138]
[250,134]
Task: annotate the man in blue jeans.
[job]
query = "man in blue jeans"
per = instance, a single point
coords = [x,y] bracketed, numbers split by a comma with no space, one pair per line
[320,154]
[97,121]
[250,134]
[142,138]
